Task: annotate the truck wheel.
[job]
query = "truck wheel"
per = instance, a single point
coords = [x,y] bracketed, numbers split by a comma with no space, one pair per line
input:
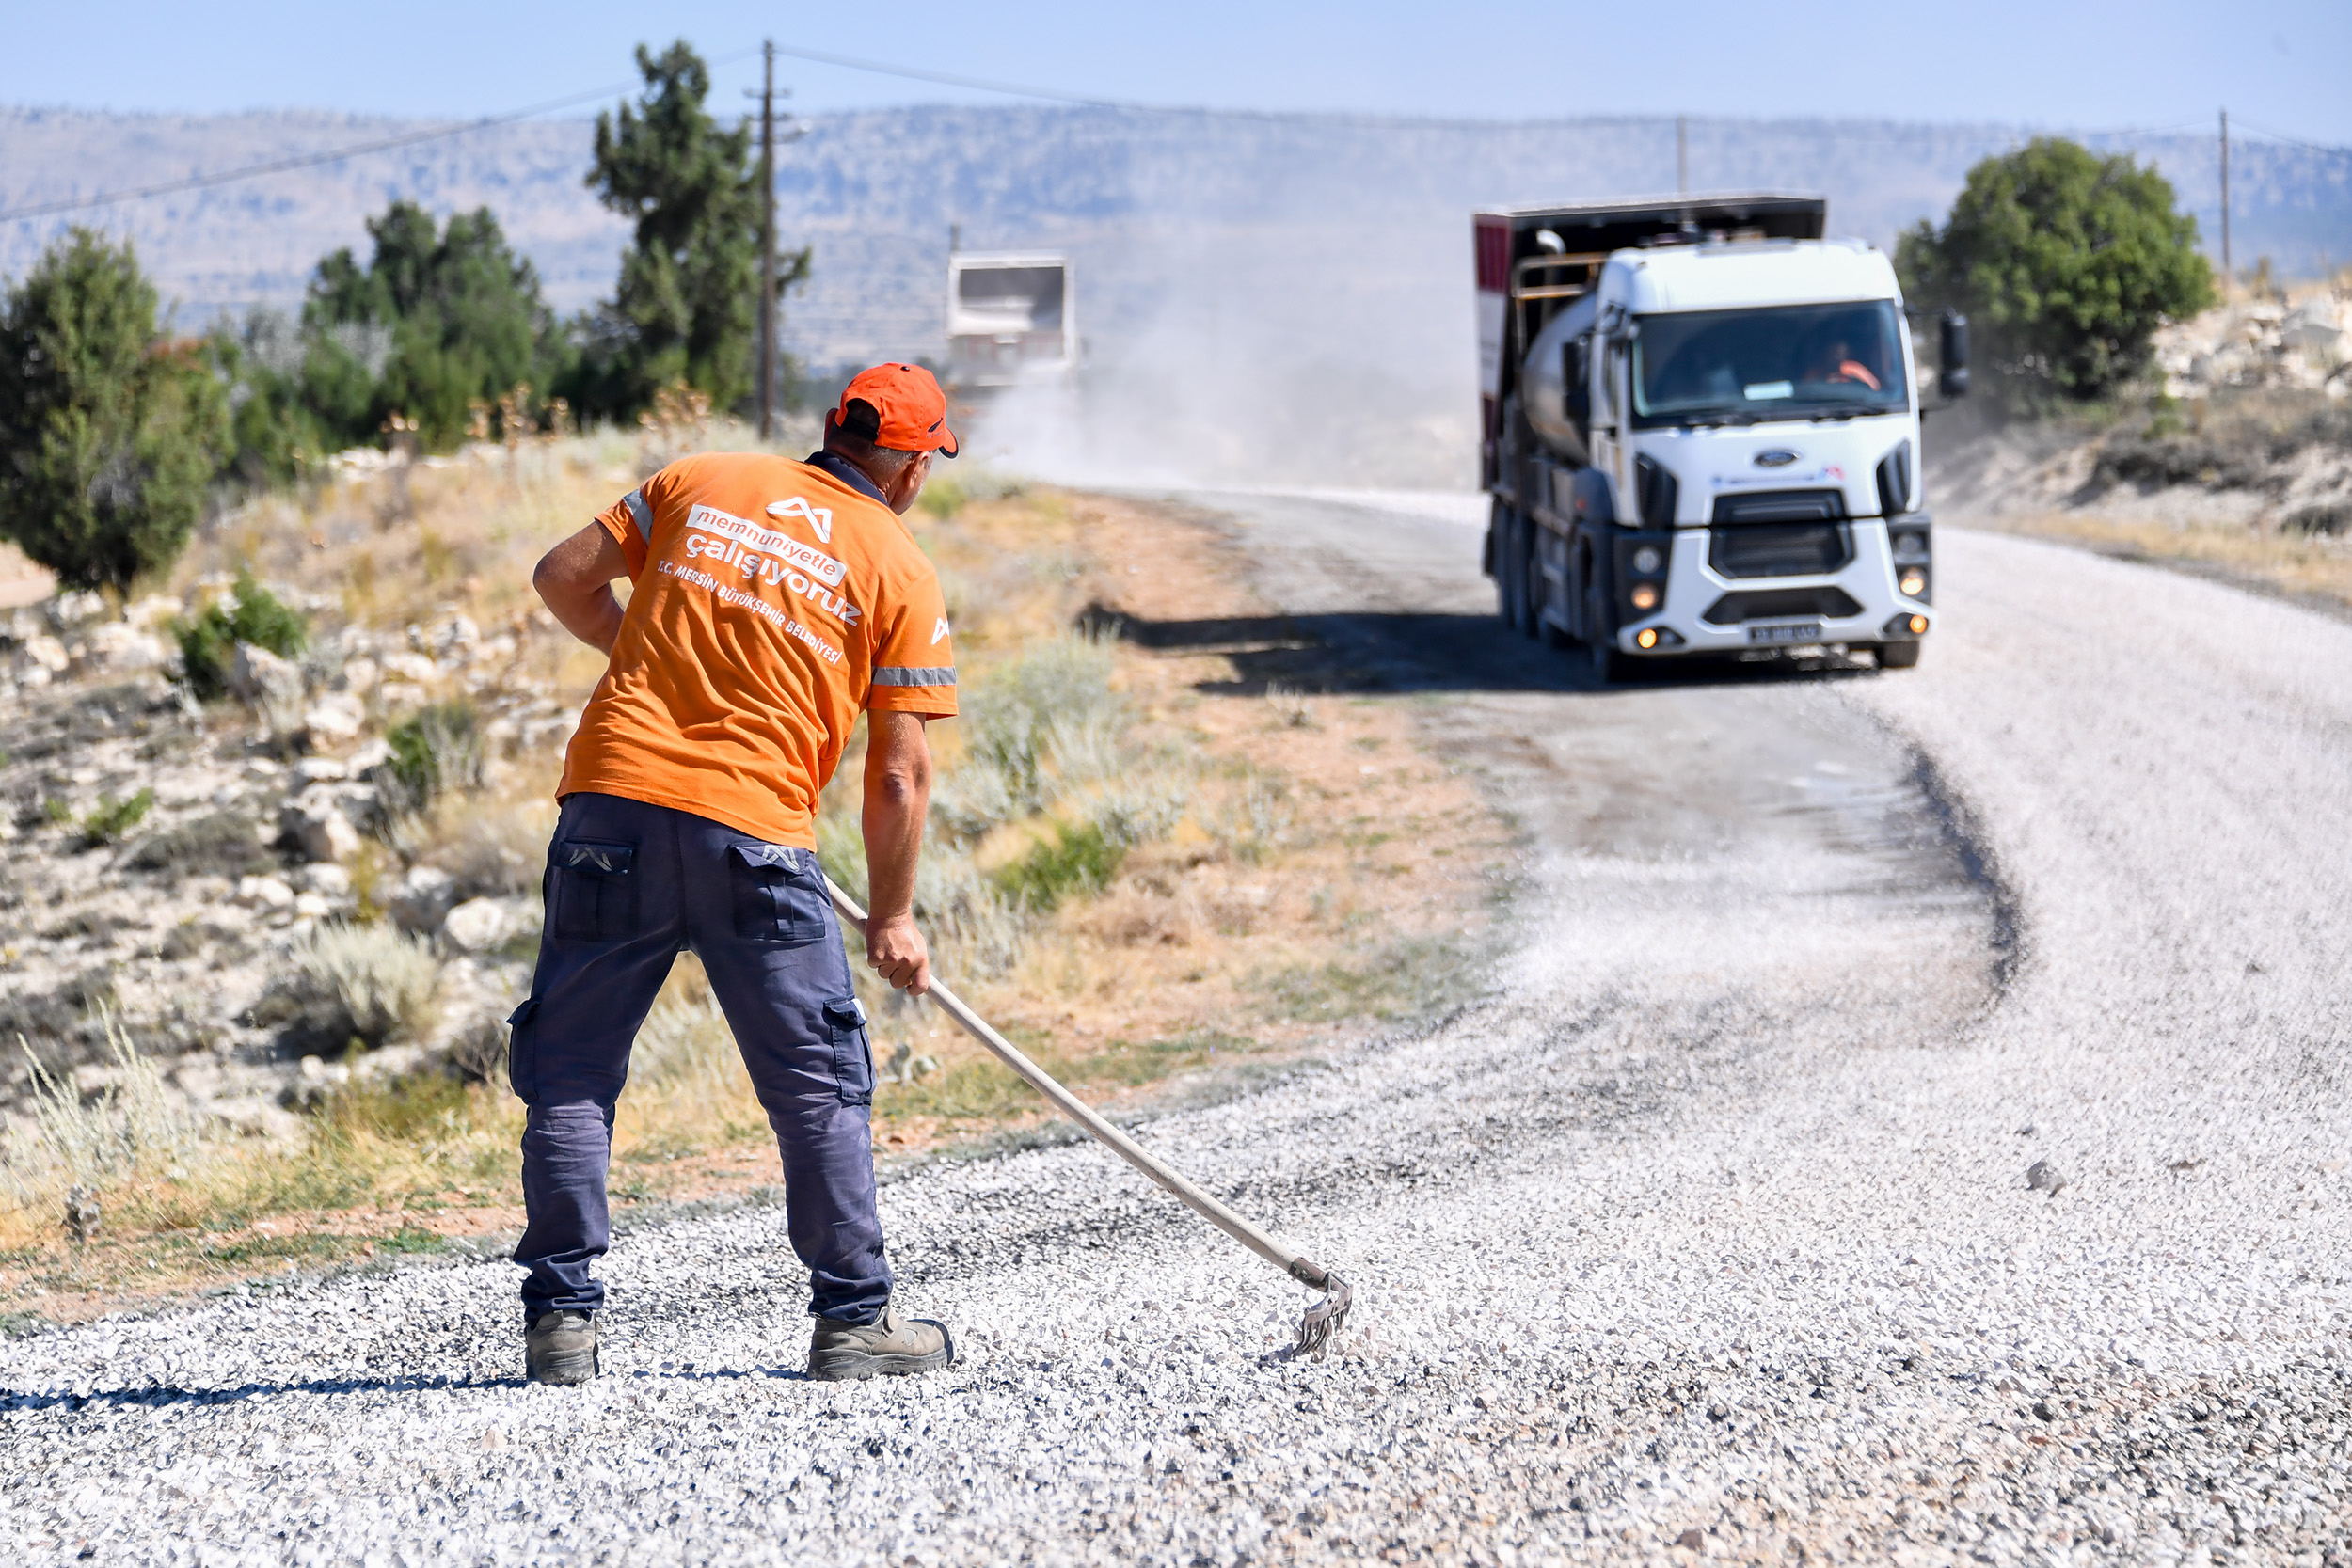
[1531,622]
[1509,596]
[1900,655]
[1610,665]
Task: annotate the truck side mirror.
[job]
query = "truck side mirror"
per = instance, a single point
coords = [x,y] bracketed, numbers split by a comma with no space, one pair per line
[1952,349]
[1576,359]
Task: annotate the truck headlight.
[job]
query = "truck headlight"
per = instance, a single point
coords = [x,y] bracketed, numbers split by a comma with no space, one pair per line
[1644,596]
[1911,546]
[1645,560]
[1913,582]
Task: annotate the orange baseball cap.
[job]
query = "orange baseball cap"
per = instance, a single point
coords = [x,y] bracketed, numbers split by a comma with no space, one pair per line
[898,406]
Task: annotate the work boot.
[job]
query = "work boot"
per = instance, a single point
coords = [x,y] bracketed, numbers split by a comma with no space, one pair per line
[561,1347]
[890,1346]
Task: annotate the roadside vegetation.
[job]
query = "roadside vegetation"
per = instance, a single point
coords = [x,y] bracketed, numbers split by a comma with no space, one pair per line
[2129,397]
[260,1017]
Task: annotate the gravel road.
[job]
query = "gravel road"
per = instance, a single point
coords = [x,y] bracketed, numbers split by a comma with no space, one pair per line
[1708,1236]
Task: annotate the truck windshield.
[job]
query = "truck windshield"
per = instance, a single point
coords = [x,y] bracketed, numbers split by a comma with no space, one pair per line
[1789,362]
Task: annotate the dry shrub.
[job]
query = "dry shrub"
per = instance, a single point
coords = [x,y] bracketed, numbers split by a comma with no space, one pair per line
[1134,915]
[494,850]
[135,1122]
[368,984]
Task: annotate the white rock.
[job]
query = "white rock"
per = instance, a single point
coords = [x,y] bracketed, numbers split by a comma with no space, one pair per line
[312,906]
[153,611]
[310,770]
[314,821]
[68,611]
[265,893]
[337,716]
[118,646]
[453,635]
[374,754]
[359,675]
[44,653]
[479,924]
[413,667]
[263,679]
[422,900]
[326,879]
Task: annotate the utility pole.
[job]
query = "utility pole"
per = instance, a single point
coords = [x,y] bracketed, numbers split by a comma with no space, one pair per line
[768,245]
[2225,202]
[1682,154]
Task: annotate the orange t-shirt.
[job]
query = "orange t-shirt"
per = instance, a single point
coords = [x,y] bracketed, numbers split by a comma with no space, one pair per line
[771,604]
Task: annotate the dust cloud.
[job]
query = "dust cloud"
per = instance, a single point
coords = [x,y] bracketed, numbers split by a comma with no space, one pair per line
[1250,356]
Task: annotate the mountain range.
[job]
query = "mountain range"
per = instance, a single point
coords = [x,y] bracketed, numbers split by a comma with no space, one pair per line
[1273,293]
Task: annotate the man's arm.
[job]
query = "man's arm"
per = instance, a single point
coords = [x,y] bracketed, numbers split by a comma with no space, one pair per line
[574,581]
[897,791]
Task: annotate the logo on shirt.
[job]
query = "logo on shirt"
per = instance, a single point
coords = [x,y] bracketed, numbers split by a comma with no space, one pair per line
[817,517]
[939,630]
[824,568]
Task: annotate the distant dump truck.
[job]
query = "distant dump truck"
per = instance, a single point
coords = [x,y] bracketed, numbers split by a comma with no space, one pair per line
[1700,431]
[1011,319]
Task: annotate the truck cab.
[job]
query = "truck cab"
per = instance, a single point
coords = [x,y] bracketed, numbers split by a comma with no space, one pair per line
[1705,441]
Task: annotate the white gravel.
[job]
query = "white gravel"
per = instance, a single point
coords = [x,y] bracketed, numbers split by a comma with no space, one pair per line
[1715,1221]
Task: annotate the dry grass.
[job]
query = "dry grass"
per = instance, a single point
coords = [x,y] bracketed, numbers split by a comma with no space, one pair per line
[1270,869]
[2311,568]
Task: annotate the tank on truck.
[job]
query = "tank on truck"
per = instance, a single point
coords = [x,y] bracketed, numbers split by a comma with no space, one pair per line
[1533,262]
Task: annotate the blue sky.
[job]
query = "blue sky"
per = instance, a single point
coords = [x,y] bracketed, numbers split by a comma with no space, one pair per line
[2278,64]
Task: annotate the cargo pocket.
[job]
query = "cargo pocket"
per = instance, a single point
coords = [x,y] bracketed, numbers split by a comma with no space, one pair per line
[779,895]
[522,1049]
[852,1057]
[596,891]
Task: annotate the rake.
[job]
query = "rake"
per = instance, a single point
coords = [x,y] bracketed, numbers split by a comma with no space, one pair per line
[1323,1320]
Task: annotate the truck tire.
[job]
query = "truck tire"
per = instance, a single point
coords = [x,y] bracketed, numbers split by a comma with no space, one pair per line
[1541,612]
[1531,580]
[1508,596]
[1612,665]
[1900,655]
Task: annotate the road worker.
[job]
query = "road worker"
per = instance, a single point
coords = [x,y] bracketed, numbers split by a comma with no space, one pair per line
[771,602]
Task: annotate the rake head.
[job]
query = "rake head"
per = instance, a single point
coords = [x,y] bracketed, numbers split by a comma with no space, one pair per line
[1325,1317]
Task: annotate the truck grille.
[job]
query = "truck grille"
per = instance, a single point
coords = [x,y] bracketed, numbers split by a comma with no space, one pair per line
[1774,604]
[1779,533]
[1779,506]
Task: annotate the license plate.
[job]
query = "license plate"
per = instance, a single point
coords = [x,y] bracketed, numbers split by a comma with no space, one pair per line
[1797,631]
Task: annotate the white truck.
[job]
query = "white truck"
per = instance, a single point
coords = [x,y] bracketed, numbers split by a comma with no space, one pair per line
[1012,320]
[1701,432]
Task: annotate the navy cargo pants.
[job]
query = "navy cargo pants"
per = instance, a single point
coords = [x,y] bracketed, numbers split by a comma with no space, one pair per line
[629,887]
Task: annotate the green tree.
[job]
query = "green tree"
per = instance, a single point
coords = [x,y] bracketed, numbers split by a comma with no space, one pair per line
[110,434]
[2066,263]
[438,317]
[687,305]
[271,423]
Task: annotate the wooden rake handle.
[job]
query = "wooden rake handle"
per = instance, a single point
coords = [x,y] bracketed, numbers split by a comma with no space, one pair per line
[1289,1259]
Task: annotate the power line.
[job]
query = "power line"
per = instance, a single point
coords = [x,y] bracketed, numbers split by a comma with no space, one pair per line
[850,62]
[947,79]
[313,160]
[2292,141]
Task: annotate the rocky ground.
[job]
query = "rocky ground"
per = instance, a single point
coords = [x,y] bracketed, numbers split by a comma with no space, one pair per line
[1913,1130]
[2238,461]
[165,856]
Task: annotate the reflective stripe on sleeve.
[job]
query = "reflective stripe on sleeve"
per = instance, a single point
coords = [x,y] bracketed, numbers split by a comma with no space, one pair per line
[635,501]
[914,675]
